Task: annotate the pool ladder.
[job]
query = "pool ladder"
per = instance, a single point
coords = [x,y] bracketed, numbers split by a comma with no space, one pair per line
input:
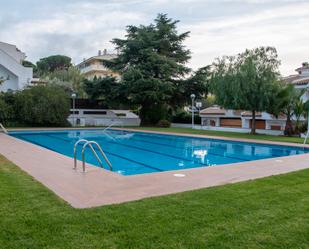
[3,129]
[90,145]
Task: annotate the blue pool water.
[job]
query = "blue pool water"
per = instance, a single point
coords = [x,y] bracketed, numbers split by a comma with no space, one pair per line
[136,152]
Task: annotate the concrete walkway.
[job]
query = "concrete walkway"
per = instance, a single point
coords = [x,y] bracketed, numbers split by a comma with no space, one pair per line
[99,187]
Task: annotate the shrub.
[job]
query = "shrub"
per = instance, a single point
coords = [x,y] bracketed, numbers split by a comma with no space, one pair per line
[7,113]
[43,106]
[185,118]
[163,123]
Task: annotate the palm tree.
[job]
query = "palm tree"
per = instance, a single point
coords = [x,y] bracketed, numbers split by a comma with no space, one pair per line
[288,102]
[299,111]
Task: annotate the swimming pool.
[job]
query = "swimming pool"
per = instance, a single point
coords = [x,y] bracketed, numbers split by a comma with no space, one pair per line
[134,153]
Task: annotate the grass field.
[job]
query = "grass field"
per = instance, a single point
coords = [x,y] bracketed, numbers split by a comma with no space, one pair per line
[267,213]
[226,134]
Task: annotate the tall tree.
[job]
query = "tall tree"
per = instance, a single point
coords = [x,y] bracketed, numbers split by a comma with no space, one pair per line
[108,89]
[152,62]
[71,79]
[247,81]
[53,63]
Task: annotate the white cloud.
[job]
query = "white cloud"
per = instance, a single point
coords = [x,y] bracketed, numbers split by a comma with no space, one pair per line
[283,27]
[78,32]
[79,28]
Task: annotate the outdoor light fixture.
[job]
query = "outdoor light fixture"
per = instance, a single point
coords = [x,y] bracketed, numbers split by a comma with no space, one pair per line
[192,107]
[73,96]
[198,105]
[306,137]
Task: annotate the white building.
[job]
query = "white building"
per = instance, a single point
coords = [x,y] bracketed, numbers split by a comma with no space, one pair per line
[93,66]
[103,117]
[14,74]
[217,118]
[300,80]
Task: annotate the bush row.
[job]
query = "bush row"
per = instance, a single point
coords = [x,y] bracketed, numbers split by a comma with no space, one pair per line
[185,118]
[35,106]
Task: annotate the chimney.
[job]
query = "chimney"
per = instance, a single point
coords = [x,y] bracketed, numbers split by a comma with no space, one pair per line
[105,52]
[100,52]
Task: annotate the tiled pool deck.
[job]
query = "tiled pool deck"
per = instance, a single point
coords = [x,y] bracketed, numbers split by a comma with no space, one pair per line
[99,187]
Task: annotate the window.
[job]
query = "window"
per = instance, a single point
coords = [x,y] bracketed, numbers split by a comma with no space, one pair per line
[95,112]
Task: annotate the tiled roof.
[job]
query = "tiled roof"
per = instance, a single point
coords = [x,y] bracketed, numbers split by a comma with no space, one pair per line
[297,79]
[213,110]
[249,114]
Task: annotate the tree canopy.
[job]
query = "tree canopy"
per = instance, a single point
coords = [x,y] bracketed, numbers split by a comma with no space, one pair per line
[152,64]
[70,79]
[248,81]
[42,106]
[107,89]
[52,63]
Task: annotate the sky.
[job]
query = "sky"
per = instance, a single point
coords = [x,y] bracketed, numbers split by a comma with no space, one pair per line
[79,28]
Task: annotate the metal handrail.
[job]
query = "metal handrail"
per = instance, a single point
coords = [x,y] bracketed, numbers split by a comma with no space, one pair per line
[75,150]
[306,137]
[2,128]
[112,124]
[89,143]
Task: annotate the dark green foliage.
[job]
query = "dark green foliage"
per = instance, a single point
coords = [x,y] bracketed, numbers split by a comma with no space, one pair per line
[4,111]
[288,101]
[152,62]
[42,106]
[53,63]
[7,112]
[247,81]
[198,84]
[164,123]
[183,117]
[107,89]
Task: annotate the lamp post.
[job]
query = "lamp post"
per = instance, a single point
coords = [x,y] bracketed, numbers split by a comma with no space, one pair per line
[73,100]
[192,106]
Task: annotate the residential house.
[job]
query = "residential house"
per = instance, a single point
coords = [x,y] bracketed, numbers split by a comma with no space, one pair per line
[15,75]
[93,66]
[301,79]
[217,118]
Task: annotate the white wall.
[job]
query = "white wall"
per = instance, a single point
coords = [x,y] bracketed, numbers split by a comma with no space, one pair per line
[9,84]
[13,52]
[12,67]
[107,119]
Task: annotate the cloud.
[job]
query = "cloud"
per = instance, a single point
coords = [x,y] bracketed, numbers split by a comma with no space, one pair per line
[282,27]
[78,28]
[79,31]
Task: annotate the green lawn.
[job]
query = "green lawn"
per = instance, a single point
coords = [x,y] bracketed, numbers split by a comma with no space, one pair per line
[268,213]
[226,134]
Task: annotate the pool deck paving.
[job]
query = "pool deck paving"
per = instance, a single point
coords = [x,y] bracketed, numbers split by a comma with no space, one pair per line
[97,186]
